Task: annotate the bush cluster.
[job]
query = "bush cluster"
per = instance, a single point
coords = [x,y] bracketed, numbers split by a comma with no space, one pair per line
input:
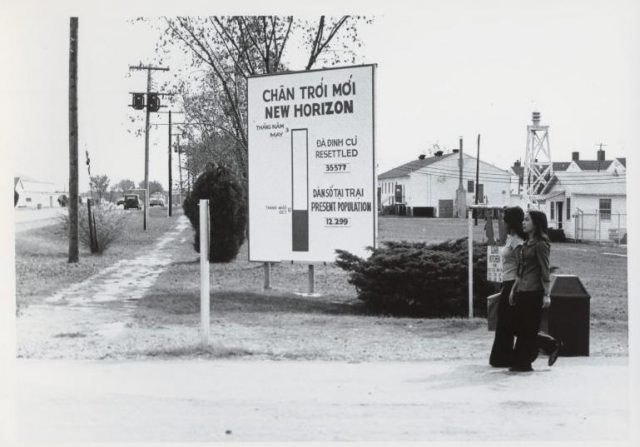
[109,225]
[227,209]
[419,279]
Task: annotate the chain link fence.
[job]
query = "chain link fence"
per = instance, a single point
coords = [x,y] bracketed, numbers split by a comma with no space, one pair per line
[600,227]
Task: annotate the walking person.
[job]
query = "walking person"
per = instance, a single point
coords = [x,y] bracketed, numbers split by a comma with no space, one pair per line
[530,294]
[502,349]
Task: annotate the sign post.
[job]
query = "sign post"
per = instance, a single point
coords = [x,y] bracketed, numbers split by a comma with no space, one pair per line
[312,174]
[204,271]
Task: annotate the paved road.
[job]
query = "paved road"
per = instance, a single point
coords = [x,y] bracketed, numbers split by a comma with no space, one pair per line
[208,400]
[27,219]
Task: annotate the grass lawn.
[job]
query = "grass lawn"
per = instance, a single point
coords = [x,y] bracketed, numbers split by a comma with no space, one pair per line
[336,326]
[41,255]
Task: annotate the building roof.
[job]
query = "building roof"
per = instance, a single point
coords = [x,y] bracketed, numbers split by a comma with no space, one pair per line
[549,186]
[602,185]
[593,165]
[560,165]
[623,161]
[414,165]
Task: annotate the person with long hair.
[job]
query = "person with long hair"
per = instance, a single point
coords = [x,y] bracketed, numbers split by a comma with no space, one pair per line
[530,294]
[502,349]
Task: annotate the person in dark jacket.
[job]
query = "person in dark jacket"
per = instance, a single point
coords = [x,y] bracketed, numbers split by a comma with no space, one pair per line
[530,294]
[502,349]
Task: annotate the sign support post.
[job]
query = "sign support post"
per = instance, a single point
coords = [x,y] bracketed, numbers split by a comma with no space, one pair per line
[312,279]
[267,275]
[204,272]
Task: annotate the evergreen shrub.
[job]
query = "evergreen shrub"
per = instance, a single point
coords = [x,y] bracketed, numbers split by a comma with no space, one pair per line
[227,208]
[419,279]
[556,235]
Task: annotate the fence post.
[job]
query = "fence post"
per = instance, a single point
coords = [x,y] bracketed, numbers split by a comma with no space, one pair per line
[618,228]
[204,271]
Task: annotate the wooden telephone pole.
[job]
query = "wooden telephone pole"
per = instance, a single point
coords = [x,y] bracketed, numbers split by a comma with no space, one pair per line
[74,252]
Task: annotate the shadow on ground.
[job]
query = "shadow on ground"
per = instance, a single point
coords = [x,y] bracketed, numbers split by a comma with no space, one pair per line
[249,302]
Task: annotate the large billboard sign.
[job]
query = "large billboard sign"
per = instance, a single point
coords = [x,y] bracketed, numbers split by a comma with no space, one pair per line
[312,177]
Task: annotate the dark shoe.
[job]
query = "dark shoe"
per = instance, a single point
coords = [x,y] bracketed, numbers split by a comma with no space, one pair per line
[521,369]
[553,355]
[500,365]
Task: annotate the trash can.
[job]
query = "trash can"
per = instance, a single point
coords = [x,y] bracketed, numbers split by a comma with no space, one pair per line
[569,314]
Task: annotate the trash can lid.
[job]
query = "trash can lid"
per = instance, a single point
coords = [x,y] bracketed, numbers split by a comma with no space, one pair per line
[568,286]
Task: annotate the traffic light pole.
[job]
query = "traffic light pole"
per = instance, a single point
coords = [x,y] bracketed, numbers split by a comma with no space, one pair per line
[146,156]
[149,68]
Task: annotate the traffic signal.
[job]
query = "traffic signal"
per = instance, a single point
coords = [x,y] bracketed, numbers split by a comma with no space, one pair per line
[137,101]
[153,102]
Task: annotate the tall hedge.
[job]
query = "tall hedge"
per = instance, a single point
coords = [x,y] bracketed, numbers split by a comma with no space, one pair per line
[228,211]
[419,279]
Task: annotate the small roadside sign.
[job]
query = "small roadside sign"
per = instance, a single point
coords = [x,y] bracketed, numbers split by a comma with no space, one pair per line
[494,264]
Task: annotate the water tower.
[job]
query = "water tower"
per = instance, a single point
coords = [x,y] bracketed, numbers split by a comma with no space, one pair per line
[538,168]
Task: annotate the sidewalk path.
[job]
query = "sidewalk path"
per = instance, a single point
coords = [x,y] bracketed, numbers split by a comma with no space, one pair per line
[581,399]
[73,312]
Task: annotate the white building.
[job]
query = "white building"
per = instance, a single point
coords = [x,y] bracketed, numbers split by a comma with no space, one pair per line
[588,199]
[427,186]
[34,193]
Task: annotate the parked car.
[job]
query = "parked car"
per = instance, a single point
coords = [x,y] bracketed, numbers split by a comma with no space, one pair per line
[156,201]
[120,202]
[132,201]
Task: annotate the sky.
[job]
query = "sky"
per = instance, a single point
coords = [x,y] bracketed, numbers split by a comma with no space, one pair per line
[445,70]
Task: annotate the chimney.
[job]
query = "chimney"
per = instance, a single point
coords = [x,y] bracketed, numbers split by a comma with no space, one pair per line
[516,164]
[455,151]
[575,156]
[600,155]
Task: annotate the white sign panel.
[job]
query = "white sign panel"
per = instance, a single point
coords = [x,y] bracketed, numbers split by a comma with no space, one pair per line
[312,185]
[494,264]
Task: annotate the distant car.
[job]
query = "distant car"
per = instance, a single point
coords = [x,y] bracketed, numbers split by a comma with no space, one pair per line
[132,201]
[156,201]
[120,202]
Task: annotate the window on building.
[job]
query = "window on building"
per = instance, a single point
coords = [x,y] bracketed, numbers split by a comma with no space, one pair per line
[28,199]
[469,185]
[605,209]
[552,206]
[568,208]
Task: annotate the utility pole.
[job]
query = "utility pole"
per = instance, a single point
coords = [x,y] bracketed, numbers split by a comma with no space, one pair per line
[74,252]
[170,177]
[149,69]
[477,178]
[461,194]
[180,167]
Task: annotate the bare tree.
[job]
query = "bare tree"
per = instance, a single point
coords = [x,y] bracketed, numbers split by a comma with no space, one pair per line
[230,49]
[125,185]
[100,184]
